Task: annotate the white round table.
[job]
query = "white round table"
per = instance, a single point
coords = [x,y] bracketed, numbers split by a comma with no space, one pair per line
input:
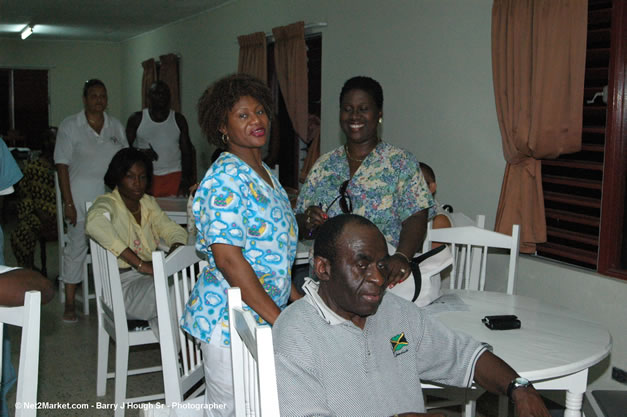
[553,348]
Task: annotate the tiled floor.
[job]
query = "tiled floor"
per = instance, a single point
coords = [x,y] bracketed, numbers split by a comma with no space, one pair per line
[68,355]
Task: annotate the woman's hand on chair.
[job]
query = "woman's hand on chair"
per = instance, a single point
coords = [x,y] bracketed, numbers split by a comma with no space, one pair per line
[174,247]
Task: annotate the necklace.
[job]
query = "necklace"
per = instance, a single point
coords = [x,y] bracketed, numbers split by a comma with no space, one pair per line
[359,160]
[350,157]
[136,211]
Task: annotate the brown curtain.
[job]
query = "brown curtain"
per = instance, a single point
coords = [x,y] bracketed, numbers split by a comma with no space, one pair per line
[538,64]
[290,58]
[149,77]
[252,55]
[169,73]
[313,151]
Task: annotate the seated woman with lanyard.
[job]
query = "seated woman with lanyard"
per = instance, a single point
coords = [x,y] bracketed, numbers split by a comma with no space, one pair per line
[137,225]
[369,177]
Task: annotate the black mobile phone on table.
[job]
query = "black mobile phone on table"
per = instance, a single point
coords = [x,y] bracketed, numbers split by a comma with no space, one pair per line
[501,322]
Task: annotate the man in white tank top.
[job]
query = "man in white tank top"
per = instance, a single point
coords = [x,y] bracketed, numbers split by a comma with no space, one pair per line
[164,135]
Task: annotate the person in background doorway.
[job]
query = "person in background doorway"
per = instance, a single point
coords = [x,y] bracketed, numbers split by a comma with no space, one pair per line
[164,135]
[86,142]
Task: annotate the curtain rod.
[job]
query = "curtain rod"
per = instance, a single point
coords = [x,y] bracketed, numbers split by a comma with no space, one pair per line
[309,28]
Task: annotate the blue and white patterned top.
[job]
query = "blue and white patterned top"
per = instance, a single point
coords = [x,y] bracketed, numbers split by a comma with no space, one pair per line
[387,188]
[234,206]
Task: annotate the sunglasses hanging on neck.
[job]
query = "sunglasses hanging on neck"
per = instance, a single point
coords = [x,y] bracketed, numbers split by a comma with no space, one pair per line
[345,202]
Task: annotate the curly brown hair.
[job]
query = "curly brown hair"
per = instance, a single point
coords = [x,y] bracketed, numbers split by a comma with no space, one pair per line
[219,98]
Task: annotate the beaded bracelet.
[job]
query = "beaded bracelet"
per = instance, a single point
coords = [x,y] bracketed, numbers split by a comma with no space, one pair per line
[139,265]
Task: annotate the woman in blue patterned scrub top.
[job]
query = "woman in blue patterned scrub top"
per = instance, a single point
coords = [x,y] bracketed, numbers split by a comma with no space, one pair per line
[246,228]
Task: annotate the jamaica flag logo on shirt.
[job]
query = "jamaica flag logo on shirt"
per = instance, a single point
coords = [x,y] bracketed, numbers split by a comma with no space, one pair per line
[399,344]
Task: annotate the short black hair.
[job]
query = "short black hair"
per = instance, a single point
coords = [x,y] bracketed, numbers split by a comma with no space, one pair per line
[159,83]
[91,83]
[219,98]
[367,84]
[122,162]
[330,232]
[427,172]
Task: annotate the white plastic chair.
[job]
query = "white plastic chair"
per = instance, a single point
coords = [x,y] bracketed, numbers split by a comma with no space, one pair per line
[472,237]
[181,267]
[252,359]
[459,219]
[84,296]
[28,318]
[112,324]
[470,245]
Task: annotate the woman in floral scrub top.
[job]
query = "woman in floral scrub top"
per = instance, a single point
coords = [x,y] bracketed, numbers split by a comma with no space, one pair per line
[245,226]
[368,177]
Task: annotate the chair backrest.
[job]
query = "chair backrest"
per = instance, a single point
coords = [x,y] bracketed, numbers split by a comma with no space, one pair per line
[60,226]
[179,269]
[109,297]
[475,238]
[28,317]
[252,359]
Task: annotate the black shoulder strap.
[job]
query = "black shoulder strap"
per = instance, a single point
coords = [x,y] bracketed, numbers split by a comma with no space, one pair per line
[415,268]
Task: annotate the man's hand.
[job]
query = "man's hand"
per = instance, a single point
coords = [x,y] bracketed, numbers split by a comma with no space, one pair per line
[493,374]
[529,403]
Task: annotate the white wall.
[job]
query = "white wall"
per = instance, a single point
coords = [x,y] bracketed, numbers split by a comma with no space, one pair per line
[432,58]
[70,64]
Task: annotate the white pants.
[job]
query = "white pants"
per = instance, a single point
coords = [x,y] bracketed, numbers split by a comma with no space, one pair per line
[140,301]
[218,380]
[74,253]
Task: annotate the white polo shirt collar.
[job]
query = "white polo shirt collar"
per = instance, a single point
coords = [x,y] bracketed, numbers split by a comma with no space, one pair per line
[311,296]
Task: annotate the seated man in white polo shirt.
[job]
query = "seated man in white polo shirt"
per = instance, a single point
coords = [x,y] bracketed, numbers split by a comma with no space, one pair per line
[349,348]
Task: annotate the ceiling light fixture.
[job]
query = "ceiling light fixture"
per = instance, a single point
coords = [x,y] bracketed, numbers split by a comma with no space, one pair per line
[27,31]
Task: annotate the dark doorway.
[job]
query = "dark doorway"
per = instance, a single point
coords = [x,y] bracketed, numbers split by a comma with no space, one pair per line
[287,150]
[24,114]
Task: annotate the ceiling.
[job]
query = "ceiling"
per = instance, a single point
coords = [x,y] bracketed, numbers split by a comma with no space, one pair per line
[95,20]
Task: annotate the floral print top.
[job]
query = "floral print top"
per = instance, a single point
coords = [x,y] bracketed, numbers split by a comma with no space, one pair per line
[234,206]
[387,188]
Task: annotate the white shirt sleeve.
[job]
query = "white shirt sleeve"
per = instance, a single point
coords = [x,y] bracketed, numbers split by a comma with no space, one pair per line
[63,147]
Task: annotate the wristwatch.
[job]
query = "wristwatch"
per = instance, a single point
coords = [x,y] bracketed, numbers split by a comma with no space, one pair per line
[516,383]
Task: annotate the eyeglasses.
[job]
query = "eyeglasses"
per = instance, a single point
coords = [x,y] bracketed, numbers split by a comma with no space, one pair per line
[346,204]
